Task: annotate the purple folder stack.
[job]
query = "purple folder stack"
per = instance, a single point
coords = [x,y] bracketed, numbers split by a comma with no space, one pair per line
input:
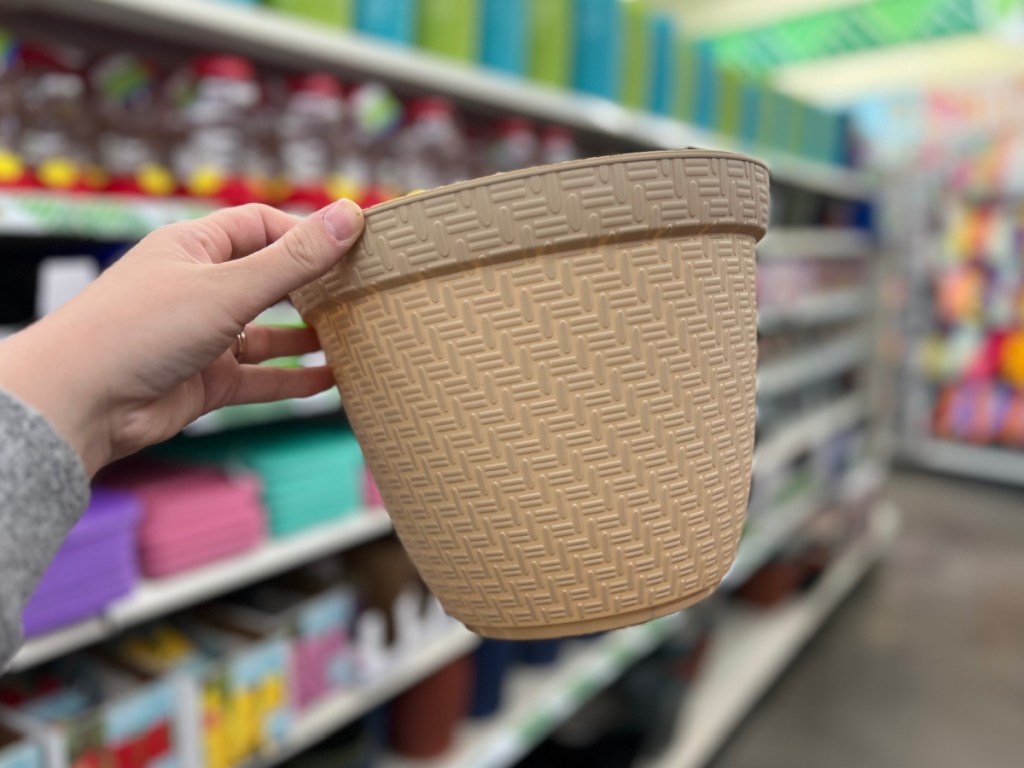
[95,566]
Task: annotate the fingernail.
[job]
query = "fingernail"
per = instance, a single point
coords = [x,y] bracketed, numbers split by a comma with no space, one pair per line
[343,220]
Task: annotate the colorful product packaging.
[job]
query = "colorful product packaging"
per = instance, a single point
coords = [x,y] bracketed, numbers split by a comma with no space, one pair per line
[637,57]
[394,20]
[598,50]
[90,713]
[18,750]
[552,42]
[663,88]
[95,565]
[505,35]
[331,13]
[450,28]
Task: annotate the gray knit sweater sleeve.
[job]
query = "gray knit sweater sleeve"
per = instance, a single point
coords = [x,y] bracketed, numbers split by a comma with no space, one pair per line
[43,491]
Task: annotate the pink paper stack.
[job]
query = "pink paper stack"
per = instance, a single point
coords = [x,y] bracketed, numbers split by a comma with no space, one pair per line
[191,515]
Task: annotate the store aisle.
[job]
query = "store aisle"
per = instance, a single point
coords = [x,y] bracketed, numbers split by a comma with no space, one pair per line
[924,665]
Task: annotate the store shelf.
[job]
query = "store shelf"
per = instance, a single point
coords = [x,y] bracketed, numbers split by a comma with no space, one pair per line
[808,431]
[342,708]
[91,216]
[773,529]
[160,597]
[538,700]
[784,243]
[820,362]
[815,309]
[1002,465]
[750,649]
[273,37]
[263,413]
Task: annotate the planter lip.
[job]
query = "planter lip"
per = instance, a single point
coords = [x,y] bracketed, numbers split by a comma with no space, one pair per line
[689,153]
[558,207]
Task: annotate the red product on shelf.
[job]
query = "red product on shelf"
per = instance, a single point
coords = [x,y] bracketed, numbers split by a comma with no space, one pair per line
[431,149]
[54,139]
[514,145]
[131,144]
[309,129]
[216,99]
[424,718]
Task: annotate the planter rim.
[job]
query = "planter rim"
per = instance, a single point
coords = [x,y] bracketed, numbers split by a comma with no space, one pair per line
[431,233]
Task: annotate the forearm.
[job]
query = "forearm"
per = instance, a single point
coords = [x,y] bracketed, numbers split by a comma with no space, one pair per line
[43,491]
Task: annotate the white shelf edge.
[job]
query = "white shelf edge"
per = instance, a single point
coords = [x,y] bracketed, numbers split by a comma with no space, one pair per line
[152,598]
[819,362]
[266,34]
[1003,465]
[342,708]
[538,700]
[752,648]
[808,431]
[91,215]
[820,307]
[222,419]
[785,243]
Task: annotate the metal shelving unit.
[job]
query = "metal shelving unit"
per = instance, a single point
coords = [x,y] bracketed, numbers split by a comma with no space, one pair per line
[344,707]
[751,649]
[159,597]
[540,700]
[829,359]
[270,36]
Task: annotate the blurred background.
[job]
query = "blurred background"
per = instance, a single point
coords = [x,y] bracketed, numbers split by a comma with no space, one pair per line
[235,597]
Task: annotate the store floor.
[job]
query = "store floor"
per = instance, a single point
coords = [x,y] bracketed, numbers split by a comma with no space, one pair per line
[924,665]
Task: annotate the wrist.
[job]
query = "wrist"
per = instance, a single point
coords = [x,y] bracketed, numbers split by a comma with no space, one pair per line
[38,367]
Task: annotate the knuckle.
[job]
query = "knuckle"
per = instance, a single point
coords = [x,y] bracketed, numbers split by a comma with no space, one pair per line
[304,249]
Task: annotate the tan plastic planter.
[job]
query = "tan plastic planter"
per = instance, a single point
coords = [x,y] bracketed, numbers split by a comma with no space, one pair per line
[551,373]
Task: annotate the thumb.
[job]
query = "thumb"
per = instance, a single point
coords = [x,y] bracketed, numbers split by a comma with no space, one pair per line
[304,253]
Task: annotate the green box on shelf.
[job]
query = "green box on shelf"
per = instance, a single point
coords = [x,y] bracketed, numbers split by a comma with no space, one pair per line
[687,81]
[729,85]
[636,55]
[450,28]
[333,13]
[551,41]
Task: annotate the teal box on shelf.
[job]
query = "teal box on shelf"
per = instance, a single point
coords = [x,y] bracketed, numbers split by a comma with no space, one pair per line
[663,85]
[18,750]
[505,35]
[309,473]
[705,108]
[598,47]
[751,96]
[395,20]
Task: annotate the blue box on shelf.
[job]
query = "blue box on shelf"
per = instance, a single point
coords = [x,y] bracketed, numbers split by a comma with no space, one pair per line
[504,40]
[394,20]
[664,65]
[598,47]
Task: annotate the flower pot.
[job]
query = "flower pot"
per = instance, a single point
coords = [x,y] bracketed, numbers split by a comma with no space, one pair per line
[551,373]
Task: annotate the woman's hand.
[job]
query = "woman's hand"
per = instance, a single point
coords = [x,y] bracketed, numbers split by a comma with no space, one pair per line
[149,346]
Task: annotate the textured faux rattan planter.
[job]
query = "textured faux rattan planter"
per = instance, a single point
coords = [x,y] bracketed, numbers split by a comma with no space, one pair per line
[552,375]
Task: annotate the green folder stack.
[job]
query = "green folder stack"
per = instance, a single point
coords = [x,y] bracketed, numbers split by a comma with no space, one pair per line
[551,41]
[332,13]
[451,28]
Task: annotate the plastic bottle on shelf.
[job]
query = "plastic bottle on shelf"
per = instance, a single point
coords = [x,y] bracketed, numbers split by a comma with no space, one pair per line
[13,172]
[432,150]
[309,129]
[366,168]
[557,145]
[130,144]
[215,100]
[55,133]
[515,145]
